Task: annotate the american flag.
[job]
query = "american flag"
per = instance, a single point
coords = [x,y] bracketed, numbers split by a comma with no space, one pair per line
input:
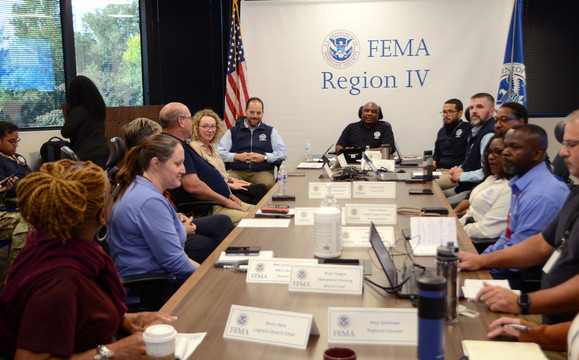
[236,88]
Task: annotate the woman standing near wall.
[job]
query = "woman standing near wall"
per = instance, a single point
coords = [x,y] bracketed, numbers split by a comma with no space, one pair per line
[85,123]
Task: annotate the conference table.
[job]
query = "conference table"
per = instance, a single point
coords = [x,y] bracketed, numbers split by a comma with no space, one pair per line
[203,302]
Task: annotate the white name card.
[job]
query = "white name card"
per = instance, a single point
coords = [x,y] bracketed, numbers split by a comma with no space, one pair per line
[273,271]
[360,236]
[323,278]
[374,189]
[382,326]
[266,326]
[304,215]
[364,213]
[317,190]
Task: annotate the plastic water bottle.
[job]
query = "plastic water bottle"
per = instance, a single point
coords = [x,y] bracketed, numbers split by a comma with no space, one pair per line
[328,228]
[431,305]
[308,155]
[281,180]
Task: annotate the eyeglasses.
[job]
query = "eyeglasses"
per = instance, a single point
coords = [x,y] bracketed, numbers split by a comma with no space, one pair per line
[495,152]
[208,127]
[14,141]
[570,144]
[447,112]
[504,119]
[186,117]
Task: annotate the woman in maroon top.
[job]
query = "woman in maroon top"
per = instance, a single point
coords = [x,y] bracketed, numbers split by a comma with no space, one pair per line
[63,296]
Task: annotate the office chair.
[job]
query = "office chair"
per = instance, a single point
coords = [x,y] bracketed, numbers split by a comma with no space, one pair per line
[559,167]
[116,155]
[67,153]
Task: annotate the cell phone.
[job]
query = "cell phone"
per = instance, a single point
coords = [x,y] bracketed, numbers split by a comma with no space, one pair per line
[281,209]
[6,179]
[283,198]
[420,192]
[243,250]
[435,210]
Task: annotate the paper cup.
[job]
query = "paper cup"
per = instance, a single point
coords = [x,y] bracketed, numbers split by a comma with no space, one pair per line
[160,342]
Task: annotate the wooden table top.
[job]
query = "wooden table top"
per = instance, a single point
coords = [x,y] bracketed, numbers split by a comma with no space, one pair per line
[203,302]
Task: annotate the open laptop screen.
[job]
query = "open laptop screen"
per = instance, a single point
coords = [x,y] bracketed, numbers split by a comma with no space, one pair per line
[383,256]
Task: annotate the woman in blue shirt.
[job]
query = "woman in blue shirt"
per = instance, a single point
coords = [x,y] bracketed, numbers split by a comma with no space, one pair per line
[146,234]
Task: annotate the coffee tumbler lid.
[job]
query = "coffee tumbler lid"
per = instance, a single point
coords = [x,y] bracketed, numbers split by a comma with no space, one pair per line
[449,251]
[431,283]
[159,332]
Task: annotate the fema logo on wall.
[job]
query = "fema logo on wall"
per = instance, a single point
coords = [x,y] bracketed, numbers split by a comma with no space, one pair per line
[513,75]
[341,49]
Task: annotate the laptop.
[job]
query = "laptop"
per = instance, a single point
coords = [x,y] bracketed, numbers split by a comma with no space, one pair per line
[387,176]
[407,161]
[352,155]
[324,156]
[407,276]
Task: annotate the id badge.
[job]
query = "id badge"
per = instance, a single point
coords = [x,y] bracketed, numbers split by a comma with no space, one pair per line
[552,260]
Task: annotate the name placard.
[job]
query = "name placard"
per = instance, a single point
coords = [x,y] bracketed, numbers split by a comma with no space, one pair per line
[358,236]
[273,271]
[266,326]
[341,190]
[383,326]
[341,279]
[304,215]
[374,189]
[364,213]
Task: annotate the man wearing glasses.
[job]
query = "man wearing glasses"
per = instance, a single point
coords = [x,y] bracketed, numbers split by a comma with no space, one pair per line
[557,246]
[11,164]
[250,148]
[451,141]
[509,115]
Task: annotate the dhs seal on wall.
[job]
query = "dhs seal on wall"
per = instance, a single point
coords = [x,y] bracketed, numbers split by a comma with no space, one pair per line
[341,49]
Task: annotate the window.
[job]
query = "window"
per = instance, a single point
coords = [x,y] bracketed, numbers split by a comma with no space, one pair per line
[32,76]
[108,48]
[31,63]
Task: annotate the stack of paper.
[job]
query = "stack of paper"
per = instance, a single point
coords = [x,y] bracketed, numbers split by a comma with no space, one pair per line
[492,350]
[472,287]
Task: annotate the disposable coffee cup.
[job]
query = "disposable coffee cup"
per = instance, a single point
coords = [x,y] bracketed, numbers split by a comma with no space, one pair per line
[338,353]
[160,342]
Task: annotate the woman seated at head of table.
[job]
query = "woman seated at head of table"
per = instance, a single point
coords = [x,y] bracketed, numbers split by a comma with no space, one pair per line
[146,234]
[486,217]
[63,296]
[207,131]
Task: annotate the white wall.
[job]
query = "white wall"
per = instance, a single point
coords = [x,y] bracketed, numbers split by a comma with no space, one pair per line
[30,144]
[286,43]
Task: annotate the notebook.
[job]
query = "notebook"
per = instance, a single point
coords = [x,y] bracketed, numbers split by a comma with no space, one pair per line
[492,350]
[407,276]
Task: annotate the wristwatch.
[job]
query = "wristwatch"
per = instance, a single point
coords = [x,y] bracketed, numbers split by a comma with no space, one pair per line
[524,303]
[103,353]
[264,157]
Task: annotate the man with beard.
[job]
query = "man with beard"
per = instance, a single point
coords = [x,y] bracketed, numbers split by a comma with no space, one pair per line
[451,141]
[250,148]
[537,195]
[557,245]
[470,174]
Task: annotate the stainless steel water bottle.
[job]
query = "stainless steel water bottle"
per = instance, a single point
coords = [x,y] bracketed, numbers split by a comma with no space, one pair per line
[446,264]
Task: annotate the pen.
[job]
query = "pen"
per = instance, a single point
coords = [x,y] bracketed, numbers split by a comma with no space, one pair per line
[520,327]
